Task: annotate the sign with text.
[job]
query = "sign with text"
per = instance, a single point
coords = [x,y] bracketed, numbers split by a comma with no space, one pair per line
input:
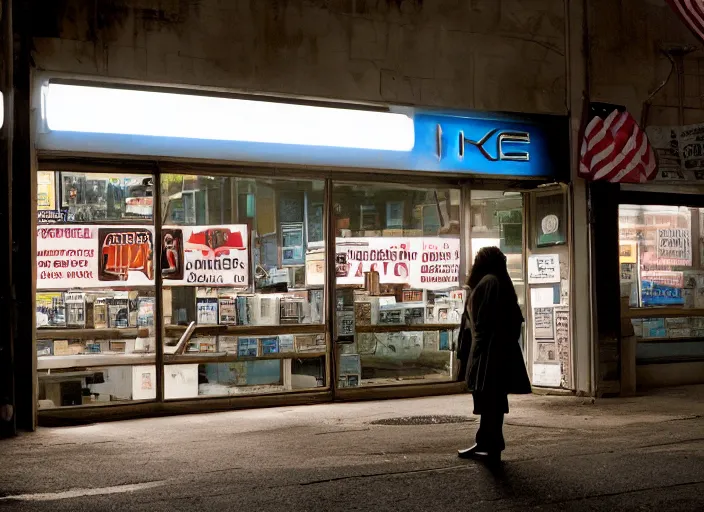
[543,326]
[205,255]
[79,256]
[544,269]
[429,263]
[675,244]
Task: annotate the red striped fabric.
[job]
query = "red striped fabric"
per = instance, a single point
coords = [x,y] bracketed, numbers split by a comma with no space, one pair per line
[692,13]
[616,149]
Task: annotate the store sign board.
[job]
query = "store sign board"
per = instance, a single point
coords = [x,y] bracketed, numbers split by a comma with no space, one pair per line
[430,263]
[205,255]
[458,142]
[83,256]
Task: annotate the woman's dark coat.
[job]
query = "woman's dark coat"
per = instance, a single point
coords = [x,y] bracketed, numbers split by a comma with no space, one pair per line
[491,329]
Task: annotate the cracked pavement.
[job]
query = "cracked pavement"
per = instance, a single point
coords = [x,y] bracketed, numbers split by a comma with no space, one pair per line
[564,453]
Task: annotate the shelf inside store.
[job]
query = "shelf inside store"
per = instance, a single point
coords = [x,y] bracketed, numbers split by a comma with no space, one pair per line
[689,339]
[90,360]
[661,312]
[404,328]
[177,330]
[228,357]
[86,334]
[99,360]
[246,330]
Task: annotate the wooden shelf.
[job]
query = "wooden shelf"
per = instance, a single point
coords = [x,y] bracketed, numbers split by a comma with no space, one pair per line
[223,357]
[177,330]
[690,339]
[405,328]
[667,312]
[87,334]
[247,330]
[88,360]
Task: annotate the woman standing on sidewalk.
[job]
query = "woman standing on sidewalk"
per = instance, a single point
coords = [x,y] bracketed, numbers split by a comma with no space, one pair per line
[495,365]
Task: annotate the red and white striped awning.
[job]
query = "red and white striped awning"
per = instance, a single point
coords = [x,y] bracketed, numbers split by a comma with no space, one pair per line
[616,149]
[692,13]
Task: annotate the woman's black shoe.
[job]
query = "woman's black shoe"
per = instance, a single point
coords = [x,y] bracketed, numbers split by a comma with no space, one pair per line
[472,453]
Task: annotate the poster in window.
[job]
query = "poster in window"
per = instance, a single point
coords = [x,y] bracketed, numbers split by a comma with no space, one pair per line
[46,190]
[80,256]
[551,219]
[543,324]
[172,254]
[124,253]
[627,252]
[212,255]
[292,252]
[675,246]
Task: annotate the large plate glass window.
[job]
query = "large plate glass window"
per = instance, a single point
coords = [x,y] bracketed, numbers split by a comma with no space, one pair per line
[398,297]
[243,270]
[95,301]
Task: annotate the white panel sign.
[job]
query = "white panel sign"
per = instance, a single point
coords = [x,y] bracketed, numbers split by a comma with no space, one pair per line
[80,256]
[544,269]
[430,263]
[546,374]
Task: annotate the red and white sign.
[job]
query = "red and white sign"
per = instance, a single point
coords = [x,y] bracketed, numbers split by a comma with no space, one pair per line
[205,255]
[80,256]
[430,263]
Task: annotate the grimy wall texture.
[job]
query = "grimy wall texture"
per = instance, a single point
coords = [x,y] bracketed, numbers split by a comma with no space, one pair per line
[626,63]
[497,55]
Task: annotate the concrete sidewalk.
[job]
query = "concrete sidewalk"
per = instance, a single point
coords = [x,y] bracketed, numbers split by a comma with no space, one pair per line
[563,453]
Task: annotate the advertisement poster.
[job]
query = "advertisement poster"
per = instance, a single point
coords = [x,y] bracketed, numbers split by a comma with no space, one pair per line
[205,255]
[429,263]
[675,244]
[46,191]
[679,150]
[543,326]
[93,256]
[126,255]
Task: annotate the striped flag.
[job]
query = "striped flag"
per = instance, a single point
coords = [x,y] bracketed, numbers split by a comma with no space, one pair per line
[615,149]
[692,13]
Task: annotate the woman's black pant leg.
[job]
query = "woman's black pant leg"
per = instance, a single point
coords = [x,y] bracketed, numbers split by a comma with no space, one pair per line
[490,436]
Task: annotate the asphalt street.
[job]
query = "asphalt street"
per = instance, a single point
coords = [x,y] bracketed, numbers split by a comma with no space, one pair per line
[564,453]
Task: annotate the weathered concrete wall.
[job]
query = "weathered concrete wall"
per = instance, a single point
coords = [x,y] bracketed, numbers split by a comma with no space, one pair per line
[484,54]
[626,66]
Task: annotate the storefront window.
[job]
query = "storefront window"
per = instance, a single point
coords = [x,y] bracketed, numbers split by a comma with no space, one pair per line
[662,279]
[95,301]
[656,256]
[398,295]
[243,268]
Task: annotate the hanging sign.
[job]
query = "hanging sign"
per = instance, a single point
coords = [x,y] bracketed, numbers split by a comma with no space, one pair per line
[205,255]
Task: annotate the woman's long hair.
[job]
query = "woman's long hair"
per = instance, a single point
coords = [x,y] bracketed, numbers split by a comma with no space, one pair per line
[491,261]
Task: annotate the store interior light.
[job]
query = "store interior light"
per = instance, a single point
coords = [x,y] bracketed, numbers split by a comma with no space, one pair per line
[2,110]
[87,109]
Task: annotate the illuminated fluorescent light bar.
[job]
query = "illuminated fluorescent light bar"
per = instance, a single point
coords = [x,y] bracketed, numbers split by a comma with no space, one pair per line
[74,108]
[2,109]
